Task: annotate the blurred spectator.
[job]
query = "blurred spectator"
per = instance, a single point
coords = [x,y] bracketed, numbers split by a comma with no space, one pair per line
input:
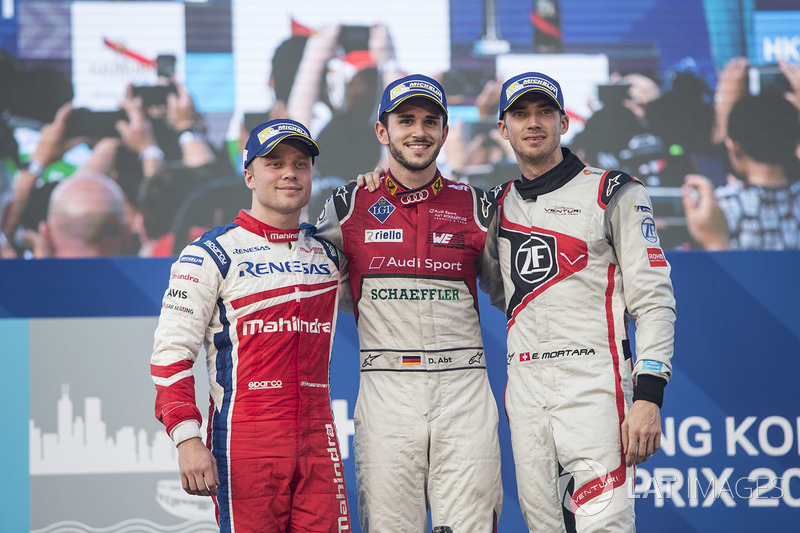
[86,217]
[760,209]
[349,135]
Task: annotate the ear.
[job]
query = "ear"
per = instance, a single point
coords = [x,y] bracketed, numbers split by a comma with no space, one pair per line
[381,133]
[564,123]
[445,132]
[501,125]
[249,179]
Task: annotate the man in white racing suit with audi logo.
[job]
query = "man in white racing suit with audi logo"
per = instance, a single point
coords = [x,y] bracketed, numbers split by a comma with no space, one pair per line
[425,419]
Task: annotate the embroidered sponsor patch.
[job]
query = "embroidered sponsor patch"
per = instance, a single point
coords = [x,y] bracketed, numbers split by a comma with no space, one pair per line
[381,209]
[656,257]
[193,259]
[654,366]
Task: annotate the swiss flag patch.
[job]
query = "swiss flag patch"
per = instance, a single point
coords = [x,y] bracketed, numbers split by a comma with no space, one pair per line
[656,257]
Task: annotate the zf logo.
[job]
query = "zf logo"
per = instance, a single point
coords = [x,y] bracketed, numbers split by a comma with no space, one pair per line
[535,259]
[649,230]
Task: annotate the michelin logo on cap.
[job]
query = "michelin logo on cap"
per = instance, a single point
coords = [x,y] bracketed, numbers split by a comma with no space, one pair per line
[405,87]
[272,131]
[523,84]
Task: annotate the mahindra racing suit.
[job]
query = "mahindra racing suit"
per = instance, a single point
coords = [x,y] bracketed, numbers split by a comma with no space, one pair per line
[578,250]
[264,304]
[425,418]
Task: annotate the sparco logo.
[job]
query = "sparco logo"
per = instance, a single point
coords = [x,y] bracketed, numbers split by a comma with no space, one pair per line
[414,197]
[268,384]
[535,260]
[216,251]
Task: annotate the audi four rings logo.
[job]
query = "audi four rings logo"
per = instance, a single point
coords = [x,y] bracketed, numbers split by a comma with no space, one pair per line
[535,259]
[414,197]
[268,384]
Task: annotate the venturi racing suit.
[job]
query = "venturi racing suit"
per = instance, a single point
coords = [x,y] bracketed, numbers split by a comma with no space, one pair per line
[578,252]
[425,418]
[264,304]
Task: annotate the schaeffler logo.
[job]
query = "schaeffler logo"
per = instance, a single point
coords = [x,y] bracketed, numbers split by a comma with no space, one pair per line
[535,260]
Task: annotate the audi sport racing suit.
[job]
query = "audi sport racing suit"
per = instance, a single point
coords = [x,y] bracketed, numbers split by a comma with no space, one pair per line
[425,418]
[264,303]
[578,251]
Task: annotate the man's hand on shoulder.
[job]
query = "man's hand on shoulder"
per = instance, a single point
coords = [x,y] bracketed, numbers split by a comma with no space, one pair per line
[641,432]
[370,180]
[198,468]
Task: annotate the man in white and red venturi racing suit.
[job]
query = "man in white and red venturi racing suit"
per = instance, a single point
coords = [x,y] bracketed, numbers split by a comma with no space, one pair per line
[425,419]
[263,301]
[578,253]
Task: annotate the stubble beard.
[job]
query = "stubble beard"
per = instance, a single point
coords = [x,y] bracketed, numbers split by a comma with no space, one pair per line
[398,156]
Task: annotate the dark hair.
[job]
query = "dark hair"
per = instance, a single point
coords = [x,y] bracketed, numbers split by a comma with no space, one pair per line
[766,126]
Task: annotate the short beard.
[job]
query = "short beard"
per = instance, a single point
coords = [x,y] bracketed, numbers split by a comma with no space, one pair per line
[413,167]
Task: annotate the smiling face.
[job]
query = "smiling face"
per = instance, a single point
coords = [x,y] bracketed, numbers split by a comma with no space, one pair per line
[534,126]
[414,133]
[281,183]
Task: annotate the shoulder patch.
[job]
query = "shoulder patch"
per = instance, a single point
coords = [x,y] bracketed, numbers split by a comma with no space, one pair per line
[209,243]
[486,206]
[611,182]
[342,197]
[499,192]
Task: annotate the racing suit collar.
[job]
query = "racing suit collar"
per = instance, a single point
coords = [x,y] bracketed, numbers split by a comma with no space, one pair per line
[551,180]
[253,225]
[410,196]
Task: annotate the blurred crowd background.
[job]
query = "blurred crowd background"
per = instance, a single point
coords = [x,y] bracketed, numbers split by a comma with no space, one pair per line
[122,123]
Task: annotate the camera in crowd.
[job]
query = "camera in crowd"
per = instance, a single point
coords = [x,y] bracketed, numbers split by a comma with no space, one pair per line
[767,78]
[155,95]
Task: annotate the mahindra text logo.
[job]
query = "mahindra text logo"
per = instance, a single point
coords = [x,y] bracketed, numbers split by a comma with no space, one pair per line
[268,384]
[414,197]
[186,277]
[535,259]
[291,324]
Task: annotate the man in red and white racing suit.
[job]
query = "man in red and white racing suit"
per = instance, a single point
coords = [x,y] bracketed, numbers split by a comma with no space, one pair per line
[425,419]
[263,301]
[578,253]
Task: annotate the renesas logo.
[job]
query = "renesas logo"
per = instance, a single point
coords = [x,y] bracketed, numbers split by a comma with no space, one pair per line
[381,209]
[448,240]
[266,384]
[214,249]
[286,267]
[176,293]
[535,261]
[383,235]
